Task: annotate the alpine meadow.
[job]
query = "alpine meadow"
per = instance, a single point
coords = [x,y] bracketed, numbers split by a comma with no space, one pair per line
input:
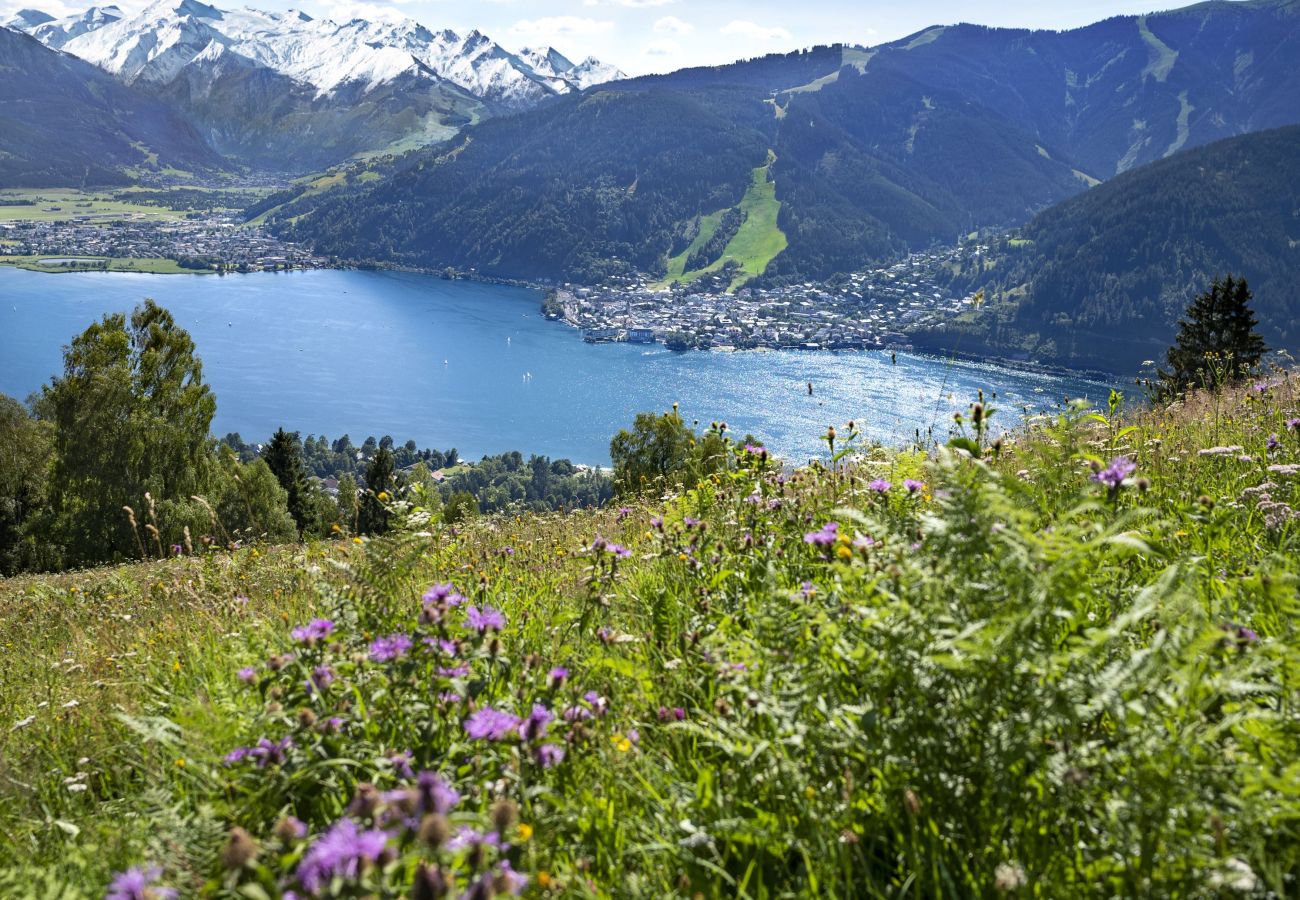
[456,451]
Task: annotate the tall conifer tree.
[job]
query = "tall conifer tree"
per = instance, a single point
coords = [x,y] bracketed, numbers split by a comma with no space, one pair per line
[1216,341]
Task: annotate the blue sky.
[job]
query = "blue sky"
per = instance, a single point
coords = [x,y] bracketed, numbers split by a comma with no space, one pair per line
[660,35]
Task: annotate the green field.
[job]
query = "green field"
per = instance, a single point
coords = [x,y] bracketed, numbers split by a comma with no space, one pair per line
[1063,665]
[758,242]
[154,265]
[66,204]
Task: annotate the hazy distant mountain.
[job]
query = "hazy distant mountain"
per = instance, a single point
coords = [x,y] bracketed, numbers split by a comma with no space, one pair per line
[284,90]
[876,150]
[65,122]
[1102,279]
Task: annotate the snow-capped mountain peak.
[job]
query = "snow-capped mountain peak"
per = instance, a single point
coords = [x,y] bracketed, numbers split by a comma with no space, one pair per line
[165,39]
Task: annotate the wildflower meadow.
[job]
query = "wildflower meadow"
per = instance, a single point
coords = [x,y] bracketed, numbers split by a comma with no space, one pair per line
[1062,662]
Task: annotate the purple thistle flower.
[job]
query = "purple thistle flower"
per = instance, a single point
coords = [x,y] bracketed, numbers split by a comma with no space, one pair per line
[657,522]
[322,677]
[401,763]
[482,620]
[1293,425]
[435,794]
[913,486]
[137,883]
[690,522]
[624,512]
[444,596]
[880,486]
[341,852]
[313,631]
[577,714]
[1113,476]
[248,674]
[550,755]
[599,705]
[467,837]
[533,728]
[807,589]
[863,542]
[491,724]
[829,533]
[556,677]
[1273,443]
[514,882]
[390,647]
[459,671]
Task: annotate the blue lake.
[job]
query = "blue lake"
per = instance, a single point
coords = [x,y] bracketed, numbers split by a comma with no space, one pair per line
[476,367]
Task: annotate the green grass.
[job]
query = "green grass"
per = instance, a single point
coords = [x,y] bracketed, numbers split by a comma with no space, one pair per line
[1023,683]
[758,241]
[151,265]
[65,204]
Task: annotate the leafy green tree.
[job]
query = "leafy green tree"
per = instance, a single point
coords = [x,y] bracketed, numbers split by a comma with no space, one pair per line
[653,454]
[380,480]
[284,457]
[131,415]
[25,449]
[349,508]
[459,507]
[1216,340]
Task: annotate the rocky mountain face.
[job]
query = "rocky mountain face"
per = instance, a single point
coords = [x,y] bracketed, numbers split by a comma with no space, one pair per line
[66,122]
[256,84]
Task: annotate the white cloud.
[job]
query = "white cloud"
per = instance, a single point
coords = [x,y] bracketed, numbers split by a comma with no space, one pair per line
[673,25]
[550,28]
[755,32]
[663,48]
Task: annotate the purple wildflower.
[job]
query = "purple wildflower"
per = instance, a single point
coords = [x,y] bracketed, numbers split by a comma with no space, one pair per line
[514,882]
[138,884]
[1293,425]
[435,794]
[1273,443]
[248,674]
[322,677]
[599,705]
[880,486]
[459,671]
[482,620]
[657,522]
[913,486]
[557,676]
[332,725]
[313,631]
[807,589]
[264,753]
[610,547]
[624,512]
[401,763]
[550,755]
[533,728]
[1113,476]
[443,595]
[467,837]
[340,853]
[829,533]
[491,724]
[390,647]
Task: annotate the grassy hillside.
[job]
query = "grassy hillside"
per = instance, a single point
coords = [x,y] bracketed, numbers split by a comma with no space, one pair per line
[1039,674]
[757,242]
